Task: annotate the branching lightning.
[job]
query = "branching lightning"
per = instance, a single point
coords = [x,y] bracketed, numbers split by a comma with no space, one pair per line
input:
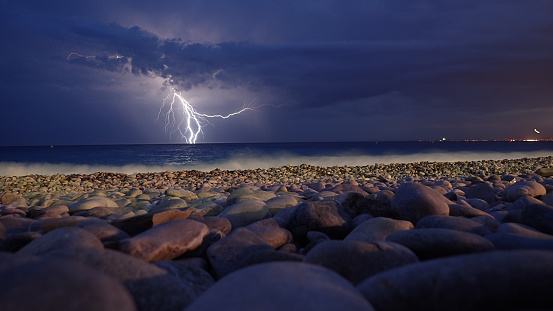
[179,115]
[182,118]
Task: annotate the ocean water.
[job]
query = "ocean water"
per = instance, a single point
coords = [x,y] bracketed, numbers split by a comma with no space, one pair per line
[17,161]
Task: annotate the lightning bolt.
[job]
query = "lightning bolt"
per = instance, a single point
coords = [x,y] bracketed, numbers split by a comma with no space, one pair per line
[182,118]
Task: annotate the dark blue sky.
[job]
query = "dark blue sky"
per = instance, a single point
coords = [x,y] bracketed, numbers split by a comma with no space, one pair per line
[96,72]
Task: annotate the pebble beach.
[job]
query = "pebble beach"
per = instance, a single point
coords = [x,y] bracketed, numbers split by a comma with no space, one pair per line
[472,235]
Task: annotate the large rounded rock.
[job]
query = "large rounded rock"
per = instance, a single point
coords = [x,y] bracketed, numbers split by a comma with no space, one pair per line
[184,194]
[15,242]
[91,203]
[69,237]
[258,195]
[356,260]
[517,241]
[414,201]
[538,216]
[484,191]
[377,229]
[61,285]
[523,230]
[2,231]
[103,231]
[284,201]
[282,286]
[151,287]
[324,216]
[19,224]
[194,278]
[166,241]
[465,210]
[454,223]
[229,253]
[137,224]
[523,188]
[245,212]
[436,242]
[501,280]
[274,236]
[50,224]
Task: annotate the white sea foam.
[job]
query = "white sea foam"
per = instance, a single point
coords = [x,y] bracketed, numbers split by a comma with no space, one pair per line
[238,163]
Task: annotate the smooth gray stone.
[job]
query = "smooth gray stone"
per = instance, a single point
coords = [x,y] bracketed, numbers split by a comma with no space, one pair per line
[521,203]
[354,203]
[517,241]
[228,254]
[547,199]
[243,213]
[151,287]
[477,203]
[54,285]
[17,241]
[487,221]
[19,224]
[270,256]
[413,201]
[356,261]
[538,216]
[380,203]
[465,211]
[215,222]
[484,191]
[169,204]
[67,237]
[191,276]
[103,231]
[455,223]
[377,229]
[499,280]
[327,217]
[545,171]
[281,286]
[3,233]
[346,187]
[9,259]
[166,241]
[278,203]
[523,230]
[276,237]
[91,203]
[523,188]
[429,243]
[360,219]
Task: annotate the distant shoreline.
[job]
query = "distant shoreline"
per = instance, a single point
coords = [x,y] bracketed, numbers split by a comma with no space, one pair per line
[284,175]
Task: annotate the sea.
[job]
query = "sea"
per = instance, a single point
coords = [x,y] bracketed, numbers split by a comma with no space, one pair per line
[50,160]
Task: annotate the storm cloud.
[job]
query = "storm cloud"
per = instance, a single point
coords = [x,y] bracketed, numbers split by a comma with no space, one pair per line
[339,70]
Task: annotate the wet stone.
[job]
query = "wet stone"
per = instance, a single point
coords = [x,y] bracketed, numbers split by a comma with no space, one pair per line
[227,254]
[455,223]
[166,241]
[413,201]
[68,237]
[436,242]
[52,284]
[283,286]
[357,261]
[500,280]
[377,229]
[325,216]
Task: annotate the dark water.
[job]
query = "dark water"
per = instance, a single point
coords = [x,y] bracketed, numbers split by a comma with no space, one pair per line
[134,158]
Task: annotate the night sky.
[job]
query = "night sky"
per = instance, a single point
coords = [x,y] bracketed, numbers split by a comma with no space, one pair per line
[96,72]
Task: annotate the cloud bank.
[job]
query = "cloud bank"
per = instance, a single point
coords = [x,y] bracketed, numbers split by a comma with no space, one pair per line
[345,70]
